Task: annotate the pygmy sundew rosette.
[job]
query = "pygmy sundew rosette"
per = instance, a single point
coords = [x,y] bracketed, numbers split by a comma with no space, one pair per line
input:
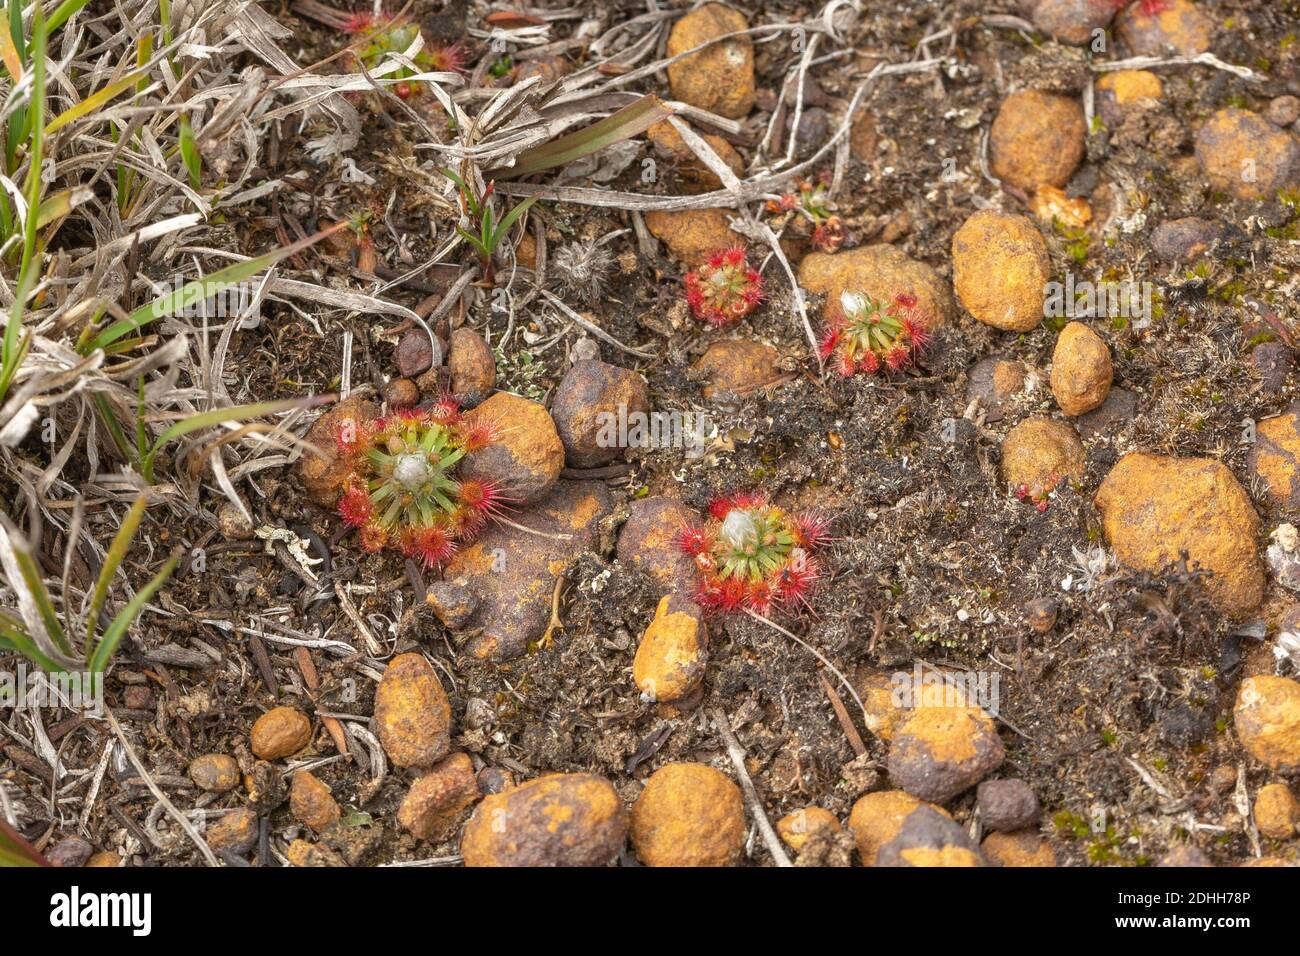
[724,288]
[866,336]
[381,34]
[751,555]
[402,491]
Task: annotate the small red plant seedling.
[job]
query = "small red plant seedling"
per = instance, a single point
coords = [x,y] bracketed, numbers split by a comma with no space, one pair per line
[814,207]
[724,288]
[381,34]
[1148,7]
[401,490]
[1039,495]
[866,336]
[751,555]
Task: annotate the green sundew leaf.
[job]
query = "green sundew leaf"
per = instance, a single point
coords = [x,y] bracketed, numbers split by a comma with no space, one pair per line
[381,492]
[426,511]
[631,120]
[200,290]
[31,575]
[393,512]
[15,851]
[113,635]
[443,501]
[112,561]
[94,101]
[451,457]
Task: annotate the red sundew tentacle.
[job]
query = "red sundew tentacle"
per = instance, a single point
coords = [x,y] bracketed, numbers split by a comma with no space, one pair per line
[477,431]
[352,436]
[355,507]
[692,541]
[448,58]
[749,499]
[482,497]
[445,410]
[434,546]
[723,288]
[360,23]
[373,537]
[898,357]
[813,530]
[719,506]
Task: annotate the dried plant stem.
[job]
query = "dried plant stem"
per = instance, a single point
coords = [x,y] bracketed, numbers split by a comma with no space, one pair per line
[737,754]
[161,797]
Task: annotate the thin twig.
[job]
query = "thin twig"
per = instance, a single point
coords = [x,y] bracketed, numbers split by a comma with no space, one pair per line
[161,797]
[737,755]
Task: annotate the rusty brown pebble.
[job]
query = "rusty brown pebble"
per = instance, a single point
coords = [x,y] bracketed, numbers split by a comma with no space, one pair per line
[401,393]
[412,713]
[311,803]
[416,353]
[280,732]
[217,773]
[1041,614]
[562,819]
[235,831]
[689,814]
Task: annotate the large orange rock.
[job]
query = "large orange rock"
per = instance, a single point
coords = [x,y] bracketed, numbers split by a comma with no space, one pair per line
[692,235]
[1178,25]
[1246,156]
[526,461]
[1275,457]
[412,713]
[1040,453]
[1267,719]
[893,828]
[563,819]
[719,78]
[671,658]
[1155,506]
[1037,138]
[880,272]
[940,751]
[999,269]
[689,814]
[1081,369]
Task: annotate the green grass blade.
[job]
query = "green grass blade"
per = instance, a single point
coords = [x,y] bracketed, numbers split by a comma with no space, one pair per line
[31,575]
[14,640]
[190,153]
[236,413]
[36,148]
[511,217]
[217,416]
[631,120]
[117,629]
[112,561]
[200,290]
[94,101]
[62,13]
